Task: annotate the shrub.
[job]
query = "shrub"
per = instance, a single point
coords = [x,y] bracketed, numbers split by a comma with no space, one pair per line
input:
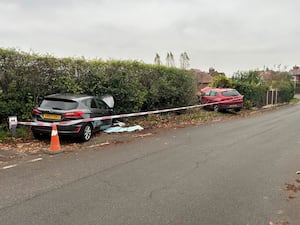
[221,81]
[25,79]
[254,95]
[286,91]
[168,87]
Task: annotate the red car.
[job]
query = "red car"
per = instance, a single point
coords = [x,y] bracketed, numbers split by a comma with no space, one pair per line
[221,99]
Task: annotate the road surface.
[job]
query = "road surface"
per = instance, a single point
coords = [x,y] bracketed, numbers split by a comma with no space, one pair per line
[237,172]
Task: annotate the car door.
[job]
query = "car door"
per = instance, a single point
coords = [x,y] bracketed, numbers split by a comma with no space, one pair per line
[205,97]
[213,96]
[210,96]
[95,112]
[103,110]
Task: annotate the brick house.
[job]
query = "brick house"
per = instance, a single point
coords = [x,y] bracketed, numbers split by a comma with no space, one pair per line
[295,72]
[203,79]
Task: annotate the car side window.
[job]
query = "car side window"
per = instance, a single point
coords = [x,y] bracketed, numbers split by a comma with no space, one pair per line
[87,103]
[93,104]
[213,93]
[101,104]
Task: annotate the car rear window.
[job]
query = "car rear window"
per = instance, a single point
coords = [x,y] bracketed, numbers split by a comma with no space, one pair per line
[230,93]
[58,104]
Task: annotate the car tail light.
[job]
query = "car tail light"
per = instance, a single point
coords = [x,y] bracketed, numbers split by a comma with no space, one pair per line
[35,111]
[73,115]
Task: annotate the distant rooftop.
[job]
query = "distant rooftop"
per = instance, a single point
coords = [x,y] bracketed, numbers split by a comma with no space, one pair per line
[295,71]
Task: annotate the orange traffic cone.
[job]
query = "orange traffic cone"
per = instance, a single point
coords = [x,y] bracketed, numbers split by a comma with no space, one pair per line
[54,143]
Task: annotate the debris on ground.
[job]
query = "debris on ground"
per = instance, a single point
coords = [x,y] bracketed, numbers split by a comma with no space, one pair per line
[292,187]
[119,123]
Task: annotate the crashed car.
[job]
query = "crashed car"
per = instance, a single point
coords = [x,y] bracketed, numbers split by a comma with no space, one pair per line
[70,107]
[222,99]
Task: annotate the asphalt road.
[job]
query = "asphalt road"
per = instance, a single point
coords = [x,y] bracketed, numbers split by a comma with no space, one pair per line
[239,172]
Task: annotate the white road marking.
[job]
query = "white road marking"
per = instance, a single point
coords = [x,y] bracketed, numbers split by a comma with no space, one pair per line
[8,167]
[97,145]
[35,160]
[142,135]
[105,143]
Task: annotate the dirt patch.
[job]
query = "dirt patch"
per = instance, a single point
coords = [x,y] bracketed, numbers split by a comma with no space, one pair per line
[292,187]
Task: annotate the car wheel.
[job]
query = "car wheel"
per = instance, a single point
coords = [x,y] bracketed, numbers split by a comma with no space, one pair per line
[237,109]
[216,108]
[86,132]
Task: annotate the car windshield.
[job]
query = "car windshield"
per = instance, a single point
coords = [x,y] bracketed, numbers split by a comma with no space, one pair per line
[230,93]
[58,104]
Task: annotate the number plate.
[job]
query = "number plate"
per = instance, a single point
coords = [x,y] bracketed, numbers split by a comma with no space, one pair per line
[233,105]
[52,116]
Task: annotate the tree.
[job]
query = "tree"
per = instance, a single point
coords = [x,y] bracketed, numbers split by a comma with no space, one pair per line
[157,60]
[251,77]
[170,62]
[184,60]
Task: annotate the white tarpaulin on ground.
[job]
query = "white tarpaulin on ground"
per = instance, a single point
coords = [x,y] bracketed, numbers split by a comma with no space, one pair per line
[123,129]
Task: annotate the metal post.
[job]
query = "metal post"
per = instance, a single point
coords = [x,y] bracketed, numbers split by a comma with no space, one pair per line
[272,97]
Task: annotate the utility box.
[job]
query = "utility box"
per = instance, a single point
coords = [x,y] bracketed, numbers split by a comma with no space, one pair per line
[12,124]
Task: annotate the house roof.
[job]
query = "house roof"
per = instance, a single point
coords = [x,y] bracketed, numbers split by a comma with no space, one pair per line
[295,71]
[266,75]
[212,72]
[202,77]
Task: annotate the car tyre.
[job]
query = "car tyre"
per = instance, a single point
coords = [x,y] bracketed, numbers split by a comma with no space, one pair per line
[86,132]
[216,108]
[237,109]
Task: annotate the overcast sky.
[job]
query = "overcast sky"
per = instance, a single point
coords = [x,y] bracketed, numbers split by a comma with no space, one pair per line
[229,35]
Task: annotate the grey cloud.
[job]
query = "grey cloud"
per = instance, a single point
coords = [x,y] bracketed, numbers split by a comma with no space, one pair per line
[227,34]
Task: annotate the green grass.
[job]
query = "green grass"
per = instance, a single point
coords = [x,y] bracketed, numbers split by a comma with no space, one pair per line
[172,118]
[294,100]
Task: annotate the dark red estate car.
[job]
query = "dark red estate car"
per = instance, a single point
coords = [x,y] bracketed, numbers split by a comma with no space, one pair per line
[221,99]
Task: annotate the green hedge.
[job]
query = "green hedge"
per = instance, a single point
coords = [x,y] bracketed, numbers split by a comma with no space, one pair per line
[26,78]
[254,95]
[286,91]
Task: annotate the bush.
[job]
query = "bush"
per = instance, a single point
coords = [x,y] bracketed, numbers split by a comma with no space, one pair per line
[25,79]
[168,87]
[254,95]
[286,91]
[221,81]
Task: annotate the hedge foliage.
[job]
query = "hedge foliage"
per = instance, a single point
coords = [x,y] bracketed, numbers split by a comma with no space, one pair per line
[26,78]
[254,95]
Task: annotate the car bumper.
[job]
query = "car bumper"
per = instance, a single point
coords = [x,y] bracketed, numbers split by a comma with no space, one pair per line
[231,106]
[63,130]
